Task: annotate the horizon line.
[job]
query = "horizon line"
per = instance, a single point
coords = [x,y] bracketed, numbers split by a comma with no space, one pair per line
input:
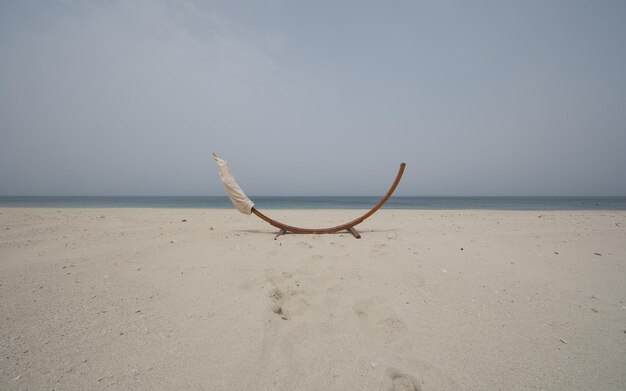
[328,196]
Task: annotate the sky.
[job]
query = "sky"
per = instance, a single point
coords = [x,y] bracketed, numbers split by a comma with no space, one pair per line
[501,98]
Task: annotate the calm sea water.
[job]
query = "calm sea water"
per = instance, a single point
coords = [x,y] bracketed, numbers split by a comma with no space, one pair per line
[433,203]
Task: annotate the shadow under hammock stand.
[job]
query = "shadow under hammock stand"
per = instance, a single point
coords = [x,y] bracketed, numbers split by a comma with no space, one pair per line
[244,205]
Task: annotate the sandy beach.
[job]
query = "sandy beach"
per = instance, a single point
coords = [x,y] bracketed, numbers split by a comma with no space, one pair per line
[191,299]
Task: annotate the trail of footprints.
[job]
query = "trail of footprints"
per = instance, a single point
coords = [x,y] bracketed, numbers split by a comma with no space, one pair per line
[289,297]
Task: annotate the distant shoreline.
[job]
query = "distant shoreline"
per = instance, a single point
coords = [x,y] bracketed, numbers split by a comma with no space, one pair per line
[327,202]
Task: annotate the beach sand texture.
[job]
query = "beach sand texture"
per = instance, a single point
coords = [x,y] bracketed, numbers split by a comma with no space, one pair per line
[182,299]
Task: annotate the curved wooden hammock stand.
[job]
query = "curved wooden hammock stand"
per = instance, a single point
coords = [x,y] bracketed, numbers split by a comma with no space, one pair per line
[284,228]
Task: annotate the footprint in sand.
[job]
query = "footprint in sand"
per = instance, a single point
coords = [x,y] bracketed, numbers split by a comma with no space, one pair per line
[402,382]
[379,317]
[276,295]
[286,292]
[303,293]
[427,376]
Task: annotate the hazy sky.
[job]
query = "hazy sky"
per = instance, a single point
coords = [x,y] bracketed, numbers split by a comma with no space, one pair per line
[313,98]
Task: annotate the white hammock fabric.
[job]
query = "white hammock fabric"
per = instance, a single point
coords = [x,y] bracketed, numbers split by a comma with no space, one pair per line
[239,199]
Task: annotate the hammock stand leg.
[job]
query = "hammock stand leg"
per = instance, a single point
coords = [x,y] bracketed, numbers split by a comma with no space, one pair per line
[354,232]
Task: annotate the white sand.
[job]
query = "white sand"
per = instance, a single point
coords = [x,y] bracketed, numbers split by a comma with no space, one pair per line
[429,300]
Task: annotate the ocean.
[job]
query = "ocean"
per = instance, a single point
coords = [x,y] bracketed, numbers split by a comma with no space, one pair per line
[265,202]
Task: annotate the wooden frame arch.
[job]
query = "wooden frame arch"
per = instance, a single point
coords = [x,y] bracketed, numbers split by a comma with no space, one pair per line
[349,226]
